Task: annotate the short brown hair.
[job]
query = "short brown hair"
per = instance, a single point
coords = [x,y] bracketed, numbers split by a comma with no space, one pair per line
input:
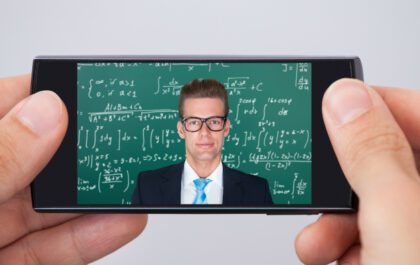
[203,88]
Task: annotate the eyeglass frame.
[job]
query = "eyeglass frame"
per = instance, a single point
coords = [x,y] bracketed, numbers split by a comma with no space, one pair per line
[204,120]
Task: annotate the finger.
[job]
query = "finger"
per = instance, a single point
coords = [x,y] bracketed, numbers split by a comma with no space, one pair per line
[13,90]
[18,218]
[327,239]
[30,134]
[78,241]
[417,158]
[351,257]
[402,102]
[370,146]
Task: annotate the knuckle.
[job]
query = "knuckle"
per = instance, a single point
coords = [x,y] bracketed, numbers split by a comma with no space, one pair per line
[76,246]
[370,142]
[9,163]
[30,254]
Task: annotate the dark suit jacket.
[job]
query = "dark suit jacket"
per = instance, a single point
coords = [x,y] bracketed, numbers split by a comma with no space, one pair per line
[163,187]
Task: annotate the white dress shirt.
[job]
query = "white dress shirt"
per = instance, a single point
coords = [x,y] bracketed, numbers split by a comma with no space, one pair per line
[213,190]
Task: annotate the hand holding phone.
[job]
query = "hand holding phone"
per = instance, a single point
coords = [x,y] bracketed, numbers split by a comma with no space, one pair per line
[332,234]
[375,133]
[31,130]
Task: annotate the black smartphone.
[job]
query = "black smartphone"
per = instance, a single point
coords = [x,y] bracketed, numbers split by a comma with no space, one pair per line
[193,134]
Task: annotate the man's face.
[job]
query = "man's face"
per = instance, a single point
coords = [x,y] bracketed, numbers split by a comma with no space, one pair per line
[204,145]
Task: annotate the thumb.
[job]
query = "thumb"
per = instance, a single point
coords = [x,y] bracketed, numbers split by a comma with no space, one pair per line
[370,146]
[29,136]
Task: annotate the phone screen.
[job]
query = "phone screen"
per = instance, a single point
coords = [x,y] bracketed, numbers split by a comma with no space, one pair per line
[127,115]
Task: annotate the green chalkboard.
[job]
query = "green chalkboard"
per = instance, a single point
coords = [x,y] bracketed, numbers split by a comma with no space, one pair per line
[127,115]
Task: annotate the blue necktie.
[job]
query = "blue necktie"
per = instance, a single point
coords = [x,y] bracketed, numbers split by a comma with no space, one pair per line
[201,183]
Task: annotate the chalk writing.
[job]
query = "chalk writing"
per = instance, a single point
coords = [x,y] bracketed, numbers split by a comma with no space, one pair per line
[128,113]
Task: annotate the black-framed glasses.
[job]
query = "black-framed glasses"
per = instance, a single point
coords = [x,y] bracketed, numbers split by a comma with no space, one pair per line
[214,123]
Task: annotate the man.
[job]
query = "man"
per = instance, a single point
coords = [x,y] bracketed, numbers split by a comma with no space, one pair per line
[202,178]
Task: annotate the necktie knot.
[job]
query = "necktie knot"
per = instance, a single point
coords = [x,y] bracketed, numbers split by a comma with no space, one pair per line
[201,183]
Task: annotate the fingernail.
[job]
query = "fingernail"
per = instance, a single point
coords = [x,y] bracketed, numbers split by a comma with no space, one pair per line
[347,100]
[41,112]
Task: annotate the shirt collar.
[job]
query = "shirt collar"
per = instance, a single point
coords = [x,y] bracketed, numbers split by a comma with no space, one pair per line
[189,175]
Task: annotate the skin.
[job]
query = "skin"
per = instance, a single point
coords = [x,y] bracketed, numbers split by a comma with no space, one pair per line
[379,152]
[28,237]
[203,148]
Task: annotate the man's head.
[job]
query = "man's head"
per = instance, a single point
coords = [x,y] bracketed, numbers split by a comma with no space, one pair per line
[203,108]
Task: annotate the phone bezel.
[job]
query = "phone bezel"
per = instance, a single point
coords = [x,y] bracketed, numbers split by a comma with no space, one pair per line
[59,74]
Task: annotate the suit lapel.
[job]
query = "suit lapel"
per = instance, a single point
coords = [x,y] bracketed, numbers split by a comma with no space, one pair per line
[232,189]
[171,185]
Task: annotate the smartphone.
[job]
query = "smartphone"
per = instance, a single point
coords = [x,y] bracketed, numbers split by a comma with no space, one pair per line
[144,130]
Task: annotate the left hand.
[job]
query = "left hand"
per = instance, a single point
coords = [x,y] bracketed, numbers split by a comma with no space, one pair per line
[31,130]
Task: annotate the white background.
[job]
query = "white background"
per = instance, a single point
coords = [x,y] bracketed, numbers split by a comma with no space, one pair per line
[384,34]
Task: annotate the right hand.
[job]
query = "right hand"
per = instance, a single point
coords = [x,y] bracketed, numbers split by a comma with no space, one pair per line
[375,133]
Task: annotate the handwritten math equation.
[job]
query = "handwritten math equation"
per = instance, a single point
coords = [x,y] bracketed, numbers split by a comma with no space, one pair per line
[127,115]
